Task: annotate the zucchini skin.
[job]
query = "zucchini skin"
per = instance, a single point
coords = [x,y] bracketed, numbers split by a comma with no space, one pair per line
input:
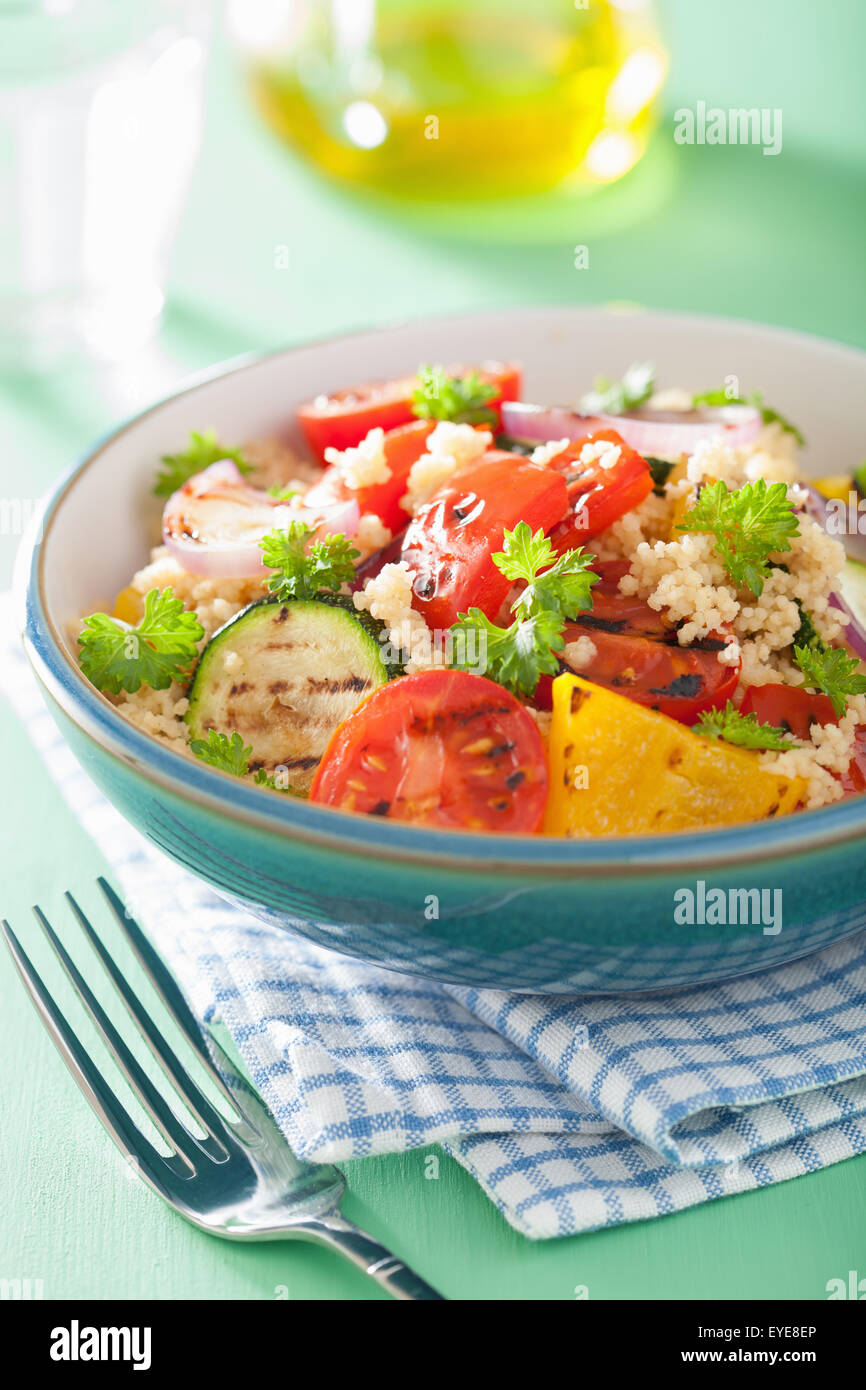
[284,675]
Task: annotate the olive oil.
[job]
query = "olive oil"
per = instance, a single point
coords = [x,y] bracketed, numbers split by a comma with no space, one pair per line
[466,100]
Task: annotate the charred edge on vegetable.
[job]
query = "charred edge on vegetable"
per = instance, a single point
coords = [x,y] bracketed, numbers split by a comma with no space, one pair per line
[680,687]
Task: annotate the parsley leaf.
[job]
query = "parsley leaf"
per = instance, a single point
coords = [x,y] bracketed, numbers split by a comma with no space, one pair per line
[616,397]
[660,471]
[515,656]
[116,656]
[833,672]
[749,525]
[807,634]
[228,754]
[231,755]
[563,588]
[518,655]
[743,730]
[462,399]
[204,449]
[267,779]
[303,571]
[756,399]
[860,478]
[282,492]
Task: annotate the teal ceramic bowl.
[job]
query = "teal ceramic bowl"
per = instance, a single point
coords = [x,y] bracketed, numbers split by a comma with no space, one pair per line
[511,913]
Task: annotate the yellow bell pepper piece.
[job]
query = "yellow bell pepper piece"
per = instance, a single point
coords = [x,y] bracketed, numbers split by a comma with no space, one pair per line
[836,487]
[618,768]
[681,506]
[129,606]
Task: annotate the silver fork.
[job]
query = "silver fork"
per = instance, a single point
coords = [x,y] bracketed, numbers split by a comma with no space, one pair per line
[241,1181]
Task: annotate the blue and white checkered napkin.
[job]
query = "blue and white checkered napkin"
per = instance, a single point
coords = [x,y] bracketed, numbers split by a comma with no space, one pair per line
[572,1114]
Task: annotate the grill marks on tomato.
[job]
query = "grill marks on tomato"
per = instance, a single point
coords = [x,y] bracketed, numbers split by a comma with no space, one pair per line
[638,654]
[450,543]
[441,748]
[681,687]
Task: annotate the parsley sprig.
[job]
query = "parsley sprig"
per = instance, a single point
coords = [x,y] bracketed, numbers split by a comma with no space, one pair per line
[831,671]
[742,730]
[302,570]
[228,754]
[204,449]
[233,755]
[556,584]
[556,589]
[516,656]
[461,399]
[807,634]
[750,525]
[756,399]
[117,656]
[616,397]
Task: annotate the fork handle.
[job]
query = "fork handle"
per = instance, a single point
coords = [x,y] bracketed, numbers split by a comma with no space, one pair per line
[365,1252]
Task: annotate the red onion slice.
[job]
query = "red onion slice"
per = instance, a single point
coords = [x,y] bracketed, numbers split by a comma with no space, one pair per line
[213,524]
[854,633]
[543,422]
[654,433]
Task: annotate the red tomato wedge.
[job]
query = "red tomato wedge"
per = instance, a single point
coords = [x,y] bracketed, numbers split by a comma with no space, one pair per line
[598,496]
[451,540]
[616,612]
[678,681]
[403,446]
[638,655]
[792,708]
[788,707]
[344,418]
[441,748]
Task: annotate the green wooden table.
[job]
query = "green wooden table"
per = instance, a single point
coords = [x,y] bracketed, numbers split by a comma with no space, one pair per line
[715,230]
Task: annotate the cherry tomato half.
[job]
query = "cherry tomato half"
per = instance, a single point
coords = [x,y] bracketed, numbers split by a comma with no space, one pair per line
[450,542]
[678,681]
[344,418]
[598,496]
[403,446]
[441,748]
[792,708]
[788,707]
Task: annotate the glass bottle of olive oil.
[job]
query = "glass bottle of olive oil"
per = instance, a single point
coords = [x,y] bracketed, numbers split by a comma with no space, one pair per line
[445,98]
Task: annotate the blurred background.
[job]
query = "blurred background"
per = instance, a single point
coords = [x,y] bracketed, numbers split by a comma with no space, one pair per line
[183,181]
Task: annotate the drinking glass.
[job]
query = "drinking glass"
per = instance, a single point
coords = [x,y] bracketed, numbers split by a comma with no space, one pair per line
[101,112]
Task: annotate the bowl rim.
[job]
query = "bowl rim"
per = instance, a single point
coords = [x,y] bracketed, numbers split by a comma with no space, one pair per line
[330,829]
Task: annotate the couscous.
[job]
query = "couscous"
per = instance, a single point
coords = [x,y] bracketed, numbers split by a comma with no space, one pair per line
[471,612]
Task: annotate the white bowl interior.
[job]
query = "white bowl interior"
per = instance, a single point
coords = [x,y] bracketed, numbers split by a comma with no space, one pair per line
[107,521]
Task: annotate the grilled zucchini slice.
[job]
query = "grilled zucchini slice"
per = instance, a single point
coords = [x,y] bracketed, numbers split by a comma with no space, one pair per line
[283,676]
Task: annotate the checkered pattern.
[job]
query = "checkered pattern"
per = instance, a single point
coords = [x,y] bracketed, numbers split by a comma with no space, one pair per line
[571,1113]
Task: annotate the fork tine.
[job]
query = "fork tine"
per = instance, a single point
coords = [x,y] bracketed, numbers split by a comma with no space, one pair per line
[116,1120]
[171,1064]
[164,984]
[173,1131]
